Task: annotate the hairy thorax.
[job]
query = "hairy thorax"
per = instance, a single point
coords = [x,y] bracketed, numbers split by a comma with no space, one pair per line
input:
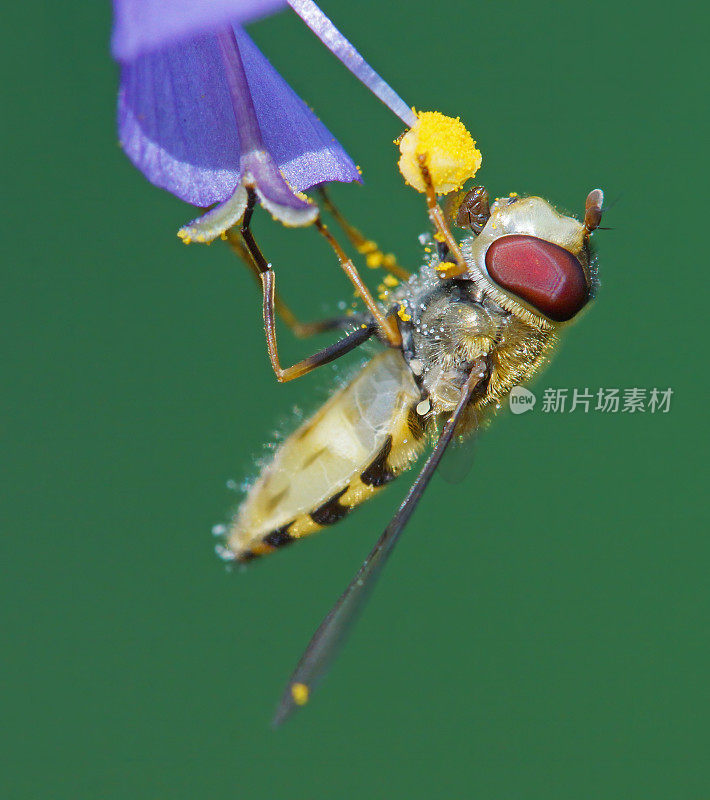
[455,323]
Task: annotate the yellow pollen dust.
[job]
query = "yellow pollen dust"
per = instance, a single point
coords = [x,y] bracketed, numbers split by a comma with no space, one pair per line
[448,148]
[299,692]
[402,314]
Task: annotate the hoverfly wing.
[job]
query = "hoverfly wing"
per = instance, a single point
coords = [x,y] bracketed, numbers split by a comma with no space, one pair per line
[331,633]
[459,458]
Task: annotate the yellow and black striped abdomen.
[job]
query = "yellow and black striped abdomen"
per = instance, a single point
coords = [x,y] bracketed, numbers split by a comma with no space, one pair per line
[363,437]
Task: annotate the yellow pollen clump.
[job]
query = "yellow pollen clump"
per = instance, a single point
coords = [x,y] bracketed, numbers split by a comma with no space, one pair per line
[375,260]
[390,280]
[367,246]
[187,239]
[448,149]
[402,314]
[299,692]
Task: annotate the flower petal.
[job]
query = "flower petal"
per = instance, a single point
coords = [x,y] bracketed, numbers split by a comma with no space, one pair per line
[304,149]
[274,193]
[217,220]
[143,25]
[176,123]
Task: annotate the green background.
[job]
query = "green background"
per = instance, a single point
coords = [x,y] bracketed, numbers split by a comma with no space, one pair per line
[542,629]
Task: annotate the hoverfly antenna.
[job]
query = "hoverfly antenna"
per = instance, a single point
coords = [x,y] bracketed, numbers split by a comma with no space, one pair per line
[593,209]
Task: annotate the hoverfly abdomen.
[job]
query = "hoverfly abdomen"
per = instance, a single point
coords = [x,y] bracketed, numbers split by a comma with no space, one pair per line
[379,472]
[332,510]
[358,442]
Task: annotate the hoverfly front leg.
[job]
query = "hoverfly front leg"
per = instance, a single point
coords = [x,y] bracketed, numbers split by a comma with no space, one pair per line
[438,220]
[374,256]
[266,275]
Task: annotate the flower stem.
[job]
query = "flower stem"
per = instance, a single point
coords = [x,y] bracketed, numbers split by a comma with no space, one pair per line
[331,37]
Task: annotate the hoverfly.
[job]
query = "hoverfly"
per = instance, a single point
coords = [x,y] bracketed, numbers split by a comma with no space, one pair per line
[466,335]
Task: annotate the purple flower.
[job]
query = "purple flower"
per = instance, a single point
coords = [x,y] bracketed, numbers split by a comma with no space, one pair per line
[144,25]
[203,114]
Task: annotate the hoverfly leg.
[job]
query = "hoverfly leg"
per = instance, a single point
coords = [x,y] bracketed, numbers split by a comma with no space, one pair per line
[302,330]
[375,257]
[319,359]
[332,632]
[268,284]
[387,325]
[443,232]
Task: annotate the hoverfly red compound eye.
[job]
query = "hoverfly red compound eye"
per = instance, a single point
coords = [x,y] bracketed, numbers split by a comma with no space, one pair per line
[541,273]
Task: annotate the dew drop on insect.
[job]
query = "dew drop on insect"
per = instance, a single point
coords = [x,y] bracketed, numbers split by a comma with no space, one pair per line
[224,553]
[423,407]
[219,530]
[232,485]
